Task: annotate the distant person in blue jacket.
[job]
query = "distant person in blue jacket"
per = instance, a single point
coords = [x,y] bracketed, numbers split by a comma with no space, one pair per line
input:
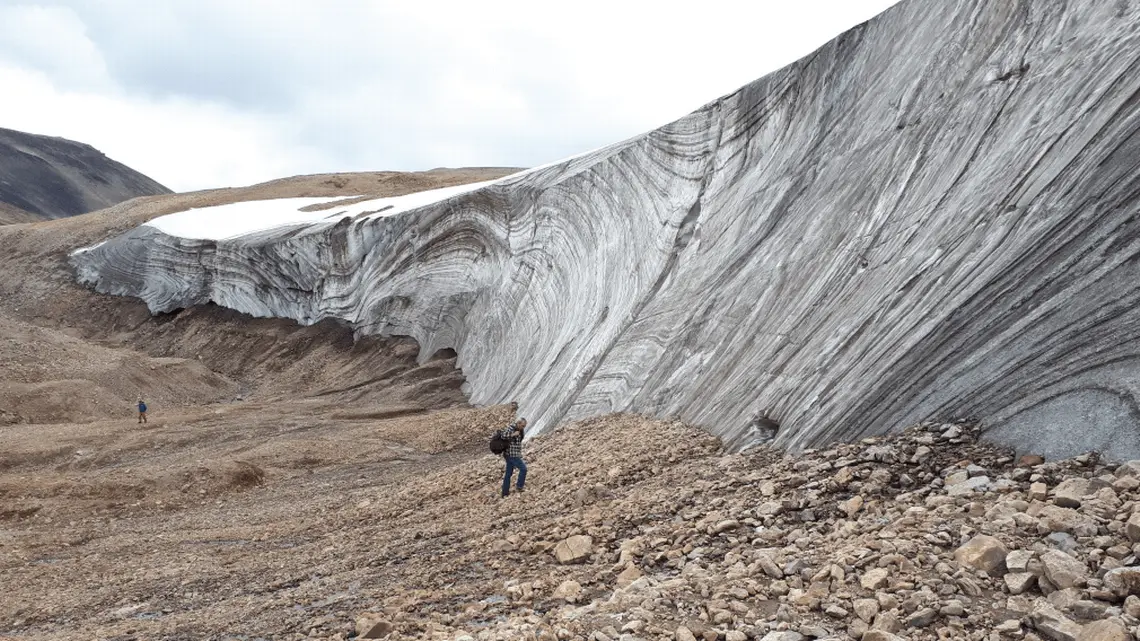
[142,411]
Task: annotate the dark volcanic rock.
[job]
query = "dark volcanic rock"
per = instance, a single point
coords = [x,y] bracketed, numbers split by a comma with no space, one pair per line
[54,177]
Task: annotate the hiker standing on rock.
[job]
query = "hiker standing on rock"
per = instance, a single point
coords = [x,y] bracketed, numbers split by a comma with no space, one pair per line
[142,411]
[513,435]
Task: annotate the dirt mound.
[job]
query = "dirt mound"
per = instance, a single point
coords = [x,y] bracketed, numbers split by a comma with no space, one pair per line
[10,215]
[51,376]
[277,358]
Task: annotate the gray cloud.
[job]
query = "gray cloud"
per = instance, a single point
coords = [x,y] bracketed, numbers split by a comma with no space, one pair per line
[247,54]
[302,87]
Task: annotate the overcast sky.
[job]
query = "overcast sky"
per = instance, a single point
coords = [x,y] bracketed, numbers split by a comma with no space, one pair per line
[214,93]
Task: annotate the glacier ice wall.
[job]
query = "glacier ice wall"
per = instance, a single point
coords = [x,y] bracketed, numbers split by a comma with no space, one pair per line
[936,214]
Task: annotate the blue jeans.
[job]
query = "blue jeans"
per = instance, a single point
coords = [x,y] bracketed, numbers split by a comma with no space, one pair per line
[513,463]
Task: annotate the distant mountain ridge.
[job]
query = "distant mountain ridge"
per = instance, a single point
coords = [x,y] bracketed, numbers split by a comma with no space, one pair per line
[50,177]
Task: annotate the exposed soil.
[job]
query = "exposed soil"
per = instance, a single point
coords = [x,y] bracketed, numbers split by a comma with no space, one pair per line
[10,214]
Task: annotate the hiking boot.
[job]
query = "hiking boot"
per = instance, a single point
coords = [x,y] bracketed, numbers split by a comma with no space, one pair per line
[519,490]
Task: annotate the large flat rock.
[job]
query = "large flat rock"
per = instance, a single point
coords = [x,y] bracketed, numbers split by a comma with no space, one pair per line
[934,215]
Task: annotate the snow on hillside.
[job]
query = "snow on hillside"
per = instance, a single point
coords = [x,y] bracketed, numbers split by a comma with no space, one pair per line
[237,219]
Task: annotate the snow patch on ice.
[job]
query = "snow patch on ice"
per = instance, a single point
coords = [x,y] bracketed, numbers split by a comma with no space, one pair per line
[238,219]
[87,249]
[224,222]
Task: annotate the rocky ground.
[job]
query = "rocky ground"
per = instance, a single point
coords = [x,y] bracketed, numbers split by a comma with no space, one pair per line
[629,529]
[643,530]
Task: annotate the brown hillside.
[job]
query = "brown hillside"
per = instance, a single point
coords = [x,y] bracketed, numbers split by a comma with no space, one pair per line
[10,215]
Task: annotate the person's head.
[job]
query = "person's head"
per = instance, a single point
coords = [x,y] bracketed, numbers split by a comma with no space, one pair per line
[522,423]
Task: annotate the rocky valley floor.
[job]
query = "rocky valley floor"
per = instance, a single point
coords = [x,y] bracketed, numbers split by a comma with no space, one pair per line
[293,525]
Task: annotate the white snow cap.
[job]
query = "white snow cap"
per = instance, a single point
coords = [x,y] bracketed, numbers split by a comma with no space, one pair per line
[238,219]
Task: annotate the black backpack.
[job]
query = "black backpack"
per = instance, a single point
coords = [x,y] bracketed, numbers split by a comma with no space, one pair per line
[499,444]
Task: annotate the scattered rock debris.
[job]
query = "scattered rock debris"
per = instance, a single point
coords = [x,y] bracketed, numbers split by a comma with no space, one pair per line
[635,529]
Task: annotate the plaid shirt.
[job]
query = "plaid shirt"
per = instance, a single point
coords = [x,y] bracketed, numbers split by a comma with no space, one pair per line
[513,436]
